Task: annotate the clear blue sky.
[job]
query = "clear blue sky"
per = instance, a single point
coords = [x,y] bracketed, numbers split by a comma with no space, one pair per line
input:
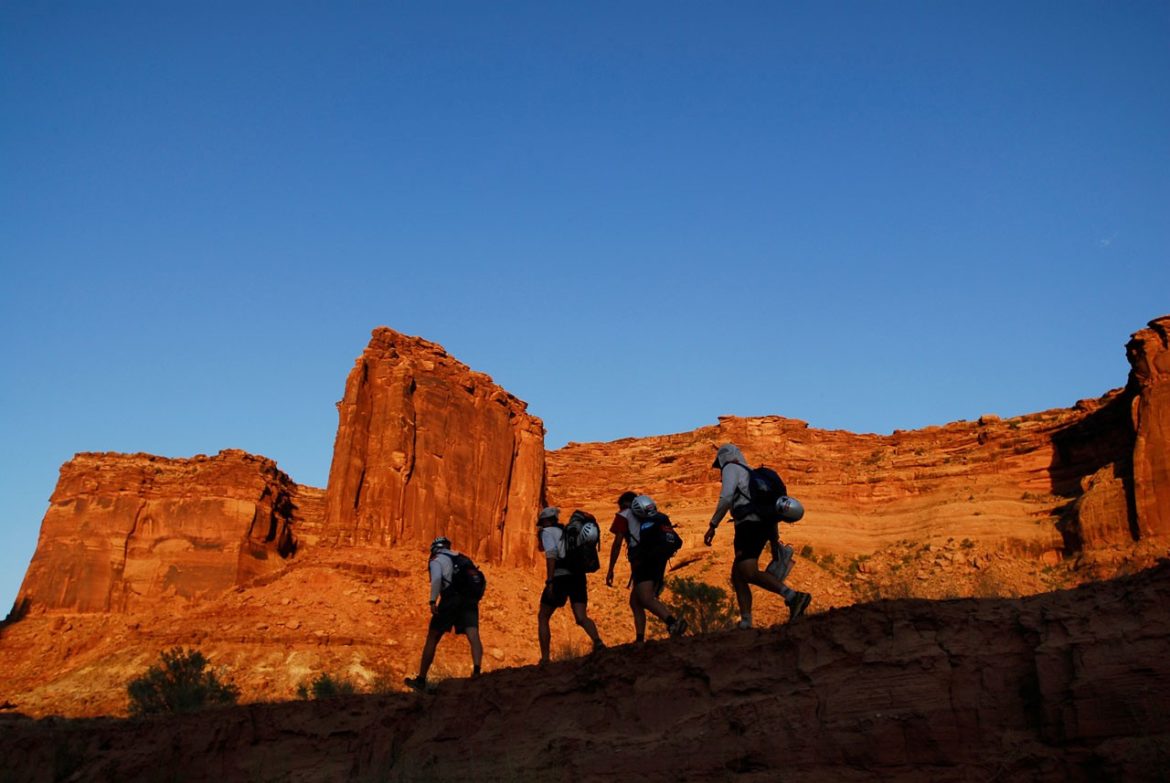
[909,212]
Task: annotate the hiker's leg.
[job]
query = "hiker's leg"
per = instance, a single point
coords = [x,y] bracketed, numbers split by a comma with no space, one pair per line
[743,593]
[639,616]
[646,597]
[544,633]
[476,648]
[750,571]
[587,625]
[428,653]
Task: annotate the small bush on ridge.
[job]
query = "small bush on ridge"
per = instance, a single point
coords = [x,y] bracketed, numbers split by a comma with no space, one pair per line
[326,686]
[705,607]
[181,682]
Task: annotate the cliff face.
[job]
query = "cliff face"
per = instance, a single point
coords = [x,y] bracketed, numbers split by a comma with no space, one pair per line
[1057,687]
[1091,478]
[425,447]
[1149,353]
[122,528]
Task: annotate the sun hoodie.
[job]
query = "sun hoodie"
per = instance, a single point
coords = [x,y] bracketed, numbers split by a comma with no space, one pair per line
[729,459]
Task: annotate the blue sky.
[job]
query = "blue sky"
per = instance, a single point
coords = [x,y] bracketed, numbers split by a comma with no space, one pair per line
[635,216]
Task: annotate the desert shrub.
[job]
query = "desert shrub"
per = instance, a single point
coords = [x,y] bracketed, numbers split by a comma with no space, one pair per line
[326,686]
[705,607]
[181,682]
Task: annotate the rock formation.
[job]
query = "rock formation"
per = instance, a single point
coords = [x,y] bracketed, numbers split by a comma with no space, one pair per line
[1149,353]
[1056,687]
[126,527]
[1092,478]
[425,447]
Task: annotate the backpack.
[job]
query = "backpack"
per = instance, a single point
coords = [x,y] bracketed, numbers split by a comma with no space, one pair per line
[657,539]
[467,581]
[579,541]
[765,487]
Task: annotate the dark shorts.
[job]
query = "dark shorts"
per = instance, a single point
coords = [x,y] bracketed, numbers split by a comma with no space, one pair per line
[751,536]
[569,587]
[455,612]
[652,570]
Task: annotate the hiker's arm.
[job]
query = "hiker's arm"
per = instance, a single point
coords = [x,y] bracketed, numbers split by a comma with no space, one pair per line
[436,570]
[550,565]
[614,551]
[726,495]
[775,542]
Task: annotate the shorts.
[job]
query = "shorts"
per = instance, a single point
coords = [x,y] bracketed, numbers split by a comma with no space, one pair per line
[567,587]
[751,536]
[455,612]
[650,571]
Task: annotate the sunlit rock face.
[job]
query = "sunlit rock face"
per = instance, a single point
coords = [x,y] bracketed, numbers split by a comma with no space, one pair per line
[1149,353]
[1093,478]
[123,528]
[425,447]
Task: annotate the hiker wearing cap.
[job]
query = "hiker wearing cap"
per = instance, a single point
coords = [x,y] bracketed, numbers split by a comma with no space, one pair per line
[652,541]
[623,524]
[752,533]
[456,587]
[562,583]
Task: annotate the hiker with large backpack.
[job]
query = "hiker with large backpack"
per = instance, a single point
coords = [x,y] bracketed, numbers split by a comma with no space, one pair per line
[758,501]
[652,542]
[570,552]
[457,584]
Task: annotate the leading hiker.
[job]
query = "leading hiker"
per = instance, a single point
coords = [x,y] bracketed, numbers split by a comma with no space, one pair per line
[565,580]
[752,532]
[456,587]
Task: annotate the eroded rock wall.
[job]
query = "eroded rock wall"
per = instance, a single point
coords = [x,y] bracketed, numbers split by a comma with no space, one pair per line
[1149,353]
[989,480]
[122,528]
[426,446]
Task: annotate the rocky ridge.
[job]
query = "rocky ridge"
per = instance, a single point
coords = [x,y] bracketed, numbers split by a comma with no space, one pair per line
[1065,686]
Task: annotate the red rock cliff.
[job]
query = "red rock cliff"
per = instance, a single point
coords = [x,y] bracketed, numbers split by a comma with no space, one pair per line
[425,446]
[1091,478]
[1149,353]
[123,527]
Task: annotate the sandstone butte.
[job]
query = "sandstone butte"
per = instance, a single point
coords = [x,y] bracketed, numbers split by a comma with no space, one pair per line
[278,582]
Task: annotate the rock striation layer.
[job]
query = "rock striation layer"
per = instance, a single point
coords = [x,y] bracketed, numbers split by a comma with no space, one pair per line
[1056,687]
[125,528]
[426,446]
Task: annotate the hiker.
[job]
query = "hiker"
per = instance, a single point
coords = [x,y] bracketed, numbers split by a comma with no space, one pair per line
[752,533]
[456,587]
[564,583]
[623,522]
[652,541]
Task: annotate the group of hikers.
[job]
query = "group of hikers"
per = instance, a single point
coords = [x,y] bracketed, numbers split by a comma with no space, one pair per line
[756,499]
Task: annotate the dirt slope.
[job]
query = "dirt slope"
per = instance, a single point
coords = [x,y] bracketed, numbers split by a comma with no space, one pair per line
[1072,685]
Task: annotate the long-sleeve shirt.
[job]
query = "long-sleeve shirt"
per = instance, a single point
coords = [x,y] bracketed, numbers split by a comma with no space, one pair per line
[441,569]
[735,475]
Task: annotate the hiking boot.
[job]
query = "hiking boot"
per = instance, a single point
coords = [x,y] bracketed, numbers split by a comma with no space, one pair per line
[745,623]
[677,627]
[416,683]
[797,605]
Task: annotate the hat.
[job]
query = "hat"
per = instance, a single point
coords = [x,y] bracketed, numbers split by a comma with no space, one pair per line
[551,512]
